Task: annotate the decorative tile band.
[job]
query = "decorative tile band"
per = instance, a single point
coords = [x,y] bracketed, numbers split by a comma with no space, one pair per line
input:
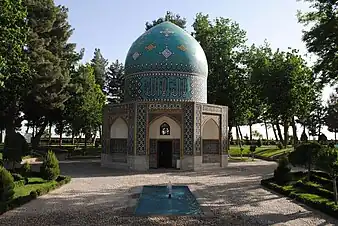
[161,87]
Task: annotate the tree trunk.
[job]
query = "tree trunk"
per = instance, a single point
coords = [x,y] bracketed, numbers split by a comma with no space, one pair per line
[85,141]
[100,134]
[73,138]
[50,134]
[36,139]
[266,130]
[228,141]
[239,141]
[279,133]
[286,133]
[334,181]
[275,132]
[250,131]
[0,136]
[240,132]
[61,132]
[294,131]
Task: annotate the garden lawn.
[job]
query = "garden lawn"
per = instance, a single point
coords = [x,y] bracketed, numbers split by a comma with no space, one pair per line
[34,183]
[317,194]
[263,151]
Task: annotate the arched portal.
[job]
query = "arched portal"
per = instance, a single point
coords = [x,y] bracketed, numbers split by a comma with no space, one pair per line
[211,142]
[118,140]
[164,149]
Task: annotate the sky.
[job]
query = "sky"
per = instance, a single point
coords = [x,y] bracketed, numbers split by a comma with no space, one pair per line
[113,25]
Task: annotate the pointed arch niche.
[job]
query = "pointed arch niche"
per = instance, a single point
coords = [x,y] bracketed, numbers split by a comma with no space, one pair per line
[118,140]
[164,128]
[211,142]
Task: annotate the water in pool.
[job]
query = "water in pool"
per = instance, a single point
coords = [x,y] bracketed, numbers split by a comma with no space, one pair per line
[154,201]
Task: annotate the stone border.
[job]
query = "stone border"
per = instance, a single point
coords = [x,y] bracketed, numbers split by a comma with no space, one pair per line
[135,193]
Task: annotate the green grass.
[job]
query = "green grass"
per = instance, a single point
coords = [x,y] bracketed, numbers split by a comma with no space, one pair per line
[310,193]
[34,183]
[239,159]
[263,151]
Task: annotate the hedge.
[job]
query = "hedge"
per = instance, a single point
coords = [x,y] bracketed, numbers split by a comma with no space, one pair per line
[14,203]
[324,206]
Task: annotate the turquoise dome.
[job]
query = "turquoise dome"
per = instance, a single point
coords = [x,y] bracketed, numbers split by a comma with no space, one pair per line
[166,63]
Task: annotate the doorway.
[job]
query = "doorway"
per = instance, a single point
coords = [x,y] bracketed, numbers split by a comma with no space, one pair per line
[164,154]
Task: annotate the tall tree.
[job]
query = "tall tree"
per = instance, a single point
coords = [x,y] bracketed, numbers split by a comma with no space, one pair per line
[99,63]
[169,16]
[51,59]
[115,82]
[14,74]
[322,37]
[331,119]
[223,43]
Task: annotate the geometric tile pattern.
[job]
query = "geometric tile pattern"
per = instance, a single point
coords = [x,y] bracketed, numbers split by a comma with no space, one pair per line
[118,146]
[225,130]
[198,113]
[211,147]
[131,124]
[141,128]
[165,86]
[164,106]
[212,109]
[188,133]
[153,153]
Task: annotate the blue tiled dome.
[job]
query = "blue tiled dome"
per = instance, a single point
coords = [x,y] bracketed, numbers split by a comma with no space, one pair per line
[166,63]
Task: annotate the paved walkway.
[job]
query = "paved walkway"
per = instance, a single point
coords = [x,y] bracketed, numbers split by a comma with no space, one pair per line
[98,196]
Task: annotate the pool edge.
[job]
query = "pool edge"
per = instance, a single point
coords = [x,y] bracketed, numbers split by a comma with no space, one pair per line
[133,202]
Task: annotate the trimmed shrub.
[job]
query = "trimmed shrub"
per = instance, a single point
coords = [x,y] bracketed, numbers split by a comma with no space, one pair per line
[6,185]
[17,177]
[5,206]
[280,145]
[50,169]
[259,143]
[282,174]
[33,194]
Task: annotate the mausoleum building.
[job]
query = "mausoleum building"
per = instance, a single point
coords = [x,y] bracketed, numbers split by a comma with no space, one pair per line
[164,120]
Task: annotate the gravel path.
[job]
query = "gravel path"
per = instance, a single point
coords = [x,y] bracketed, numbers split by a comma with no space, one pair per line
[98,196]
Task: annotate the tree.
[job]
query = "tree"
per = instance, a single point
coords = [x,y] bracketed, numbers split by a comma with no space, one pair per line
[284,81]
[331,119]
[13,64]
[115,82]
[223,43]
[328,162]
[99,63]
[169,16]
[84,108]
[322,37]
[305,155]
[51,59]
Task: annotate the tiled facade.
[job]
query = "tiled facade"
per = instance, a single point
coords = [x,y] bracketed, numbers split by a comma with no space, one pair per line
[166,74]
[190,115]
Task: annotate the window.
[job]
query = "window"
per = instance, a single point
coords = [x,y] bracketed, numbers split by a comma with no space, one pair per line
[164,129]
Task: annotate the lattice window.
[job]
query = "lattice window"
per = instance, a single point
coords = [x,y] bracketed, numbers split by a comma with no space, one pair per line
[164,129]
[118,145]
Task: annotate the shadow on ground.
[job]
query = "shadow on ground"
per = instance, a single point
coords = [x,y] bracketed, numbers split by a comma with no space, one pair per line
[230,200]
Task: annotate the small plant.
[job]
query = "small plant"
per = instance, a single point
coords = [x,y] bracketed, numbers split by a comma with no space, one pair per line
[26,169]
[282,174]
[304,137]
[259,143]
[50,168]
[34,194]
[331,145]
[252,150]
[6,185]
